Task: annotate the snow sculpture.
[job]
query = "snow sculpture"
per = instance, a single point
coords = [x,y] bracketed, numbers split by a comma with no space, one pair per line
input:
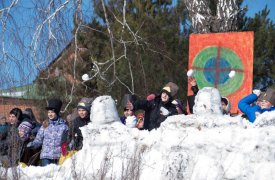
[208,100]
[104,110]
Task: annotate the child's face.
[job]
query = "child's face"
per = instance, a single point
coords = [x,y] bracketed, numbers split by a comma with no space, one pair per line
[21,133]
[164,97]
[265,104]
[12,119]
[3,121]
[129,113]
[82,113]
[52,115]
[223,105]
[125,112]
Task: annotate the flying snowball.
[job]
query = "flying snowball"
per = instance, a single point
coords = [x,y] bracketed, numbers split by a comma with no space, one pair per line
[85,77]
[190,72]
[232,74]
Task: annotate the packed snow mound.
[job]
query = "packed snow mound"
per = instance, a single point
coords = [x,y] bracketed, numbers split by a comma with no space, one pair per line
[196,147]
[103,110]
[265,119]
[208,101]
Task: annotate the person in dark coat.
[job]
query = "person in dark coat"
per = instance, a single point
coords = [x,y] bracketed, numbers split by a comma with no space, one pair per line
[266,103]
[4,127]
[34,121]
[11,147]
[26,133]
[191,98]
[158,109]
[83,109]
[4,130]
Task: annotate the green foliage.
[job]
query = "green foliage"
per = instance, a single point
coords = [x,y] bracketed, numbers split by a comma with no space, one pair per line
[153,44]
[156,54]
[264,48]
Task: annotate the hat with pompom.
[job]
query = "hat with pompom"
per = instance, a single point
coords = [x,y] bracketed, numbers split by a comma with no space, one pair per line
[171,89]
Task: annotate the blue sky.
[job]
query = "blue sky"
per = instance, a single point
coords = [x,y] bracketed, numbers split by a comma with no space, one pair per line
[255,6]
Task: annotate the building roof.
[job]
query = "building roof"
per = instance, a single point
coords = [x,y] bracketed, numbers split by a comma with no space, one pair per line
[23,92]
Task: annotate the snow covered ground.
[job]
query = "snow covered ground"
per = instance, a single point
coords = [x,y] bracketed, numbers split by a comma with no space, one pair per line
[203,146]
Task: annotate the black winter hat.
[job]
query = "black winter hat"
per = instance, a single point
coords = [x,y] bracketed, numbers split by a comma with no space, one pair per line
[54,105]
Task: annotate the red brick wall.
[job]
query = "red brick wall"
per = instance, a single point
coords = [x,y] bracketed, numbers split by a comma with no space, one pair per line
[7,104]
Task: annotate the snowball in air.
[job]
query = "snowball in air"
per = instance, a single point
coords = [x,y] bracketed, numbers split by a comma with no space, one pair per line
[85,77]
[190,72]
[232,74]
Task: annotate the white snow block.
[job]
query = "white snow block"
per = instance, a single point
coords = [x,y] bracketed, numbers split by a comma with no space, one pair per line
[208,100]
[103,110]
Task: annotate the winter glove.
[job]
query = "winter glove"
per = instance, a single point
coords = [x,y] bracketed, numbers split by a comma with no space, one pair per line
[64,149]
[257,92]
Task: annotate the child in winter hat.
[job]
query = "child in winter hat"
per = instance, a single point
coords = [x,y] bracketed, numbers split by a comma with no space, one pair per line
[54,105]
[269,96]
[52,135]
[171,89]
[252,105]
[85,103]
[24,130]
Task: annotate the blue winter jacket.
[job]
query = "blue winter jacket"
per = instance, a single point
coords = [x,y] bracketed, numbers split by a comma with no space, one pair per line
[51,138]
[250,110]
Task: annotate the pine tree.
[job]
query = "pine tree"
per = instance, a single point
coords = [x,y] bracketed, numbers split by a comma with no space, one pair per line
[151,45]
[264,48]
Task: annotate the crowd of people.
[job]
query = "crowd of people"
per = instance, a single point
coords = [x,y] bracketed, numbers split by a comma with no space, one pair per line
[23,139]
[158,107]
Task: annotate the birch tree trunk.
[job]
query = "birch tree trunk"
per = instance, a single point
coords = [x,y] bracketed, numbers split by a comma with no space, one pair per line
[203,20]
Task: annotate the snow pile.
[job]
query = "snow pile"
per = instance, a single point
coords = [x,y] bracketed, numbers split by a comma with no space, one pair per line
[208,100]
[104,111]
[200,146]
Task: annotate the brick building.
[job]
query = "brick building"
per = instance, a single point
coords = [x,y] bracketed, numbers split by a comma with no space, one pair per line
[27,97]
[21,97]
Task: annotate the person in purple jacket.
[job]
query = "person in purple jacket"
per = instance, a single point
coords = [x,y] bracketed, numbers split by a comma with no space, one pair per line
[252,105]
[52,135]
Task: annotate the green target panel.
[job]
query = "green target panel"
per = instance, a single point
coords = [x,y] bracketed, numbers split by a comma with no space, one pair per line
[212,66]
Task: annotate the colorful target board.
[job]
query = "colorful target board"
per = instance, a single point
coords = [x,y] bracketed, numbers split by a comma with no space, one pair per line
[212,57]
